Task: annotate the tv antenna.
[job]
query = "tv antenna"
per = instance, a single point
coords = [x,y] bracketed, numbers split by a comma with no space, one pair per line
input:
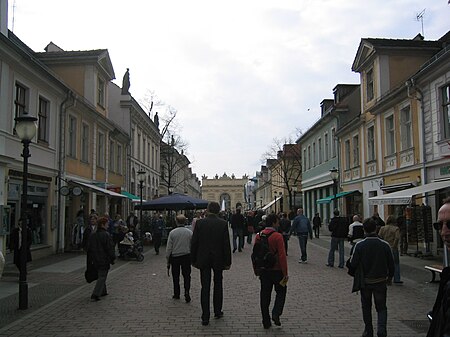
[419,17]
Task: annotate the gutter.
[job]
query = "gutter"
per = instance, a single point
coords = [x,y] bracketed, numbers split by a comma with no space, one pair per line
[65,104]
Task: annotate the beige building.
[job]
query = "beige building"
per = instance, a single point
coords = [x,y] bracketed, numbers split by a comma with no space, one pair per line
[225,190]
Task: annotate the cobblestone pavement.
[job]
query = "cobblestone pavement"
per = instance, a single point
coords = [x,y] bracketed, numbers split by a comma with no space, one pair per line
[319,301]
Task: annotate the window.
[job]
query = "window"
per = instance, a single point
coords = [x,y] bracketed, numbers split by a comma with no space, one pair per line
[101,92]
[371,143]
[333,142]
[446,110]
[390,135]
[85,143]
[101,150]
[326,147]
[355,151]
[369,85]
[153,156]
[304,160]
[309,157]
[148,153]
[314,154]
[320,150]
[111,156]
[405,128]
[43,115]
[20,101]
[72,141]
[347,154]
[139,147]
[119,159]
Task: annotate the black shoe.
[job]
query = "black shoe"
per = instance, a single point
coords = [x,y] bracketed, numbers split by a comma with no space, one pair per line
[240,250]
[104,294]
[329,265]
[157,253]
[205,322]
[187,298]
[276,320]
[234,250]
[218,315]
[267,325]
[175,297]
[398,282]
[95,298]
[341,267]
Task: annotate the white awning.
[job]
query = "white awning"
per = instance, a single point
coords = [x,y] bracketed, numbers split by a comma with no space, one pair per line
[98,189]
[404,197]
[271,203]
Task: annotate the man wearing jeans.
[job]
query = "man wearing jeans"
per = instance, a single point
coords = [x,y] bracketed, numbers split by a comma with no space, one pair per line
[339,230]
[301,226]
[374,257]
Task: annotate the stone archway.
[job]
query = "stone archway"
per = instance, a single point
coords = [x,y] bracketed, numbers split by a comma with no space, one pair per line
[225,197]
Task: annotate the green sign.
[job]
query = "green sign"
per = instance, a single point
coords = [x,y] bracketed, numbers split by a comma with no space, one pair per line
[445,170]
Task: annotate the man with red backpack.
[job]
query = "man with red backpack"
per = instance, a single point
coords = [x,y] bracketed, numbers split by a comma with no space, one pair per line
[270,264]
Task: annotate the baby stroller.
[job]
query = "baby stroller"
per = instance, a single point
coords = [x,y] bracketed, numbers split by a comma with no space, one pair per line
[130,248]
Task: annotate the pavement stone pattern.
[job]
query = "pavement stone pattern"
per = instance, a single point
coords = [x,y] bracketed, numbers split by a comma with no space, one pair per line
[319,301]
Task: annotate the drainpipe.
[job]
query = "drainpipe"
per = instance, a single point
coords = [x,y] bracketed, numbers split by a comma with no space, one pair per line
[60,228]
[410,84]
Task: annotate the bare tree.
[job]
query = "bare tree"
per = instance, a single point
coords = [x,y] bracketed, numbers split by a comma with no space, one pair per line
[284,159]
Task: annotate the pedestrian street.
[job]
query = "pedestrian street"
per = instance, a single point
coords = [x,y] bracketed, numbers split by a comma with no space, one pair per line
[319,302]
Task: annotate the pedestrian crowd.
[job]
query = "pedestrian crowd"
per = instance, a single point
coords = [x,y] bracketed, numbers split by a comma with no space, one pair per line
[204,243]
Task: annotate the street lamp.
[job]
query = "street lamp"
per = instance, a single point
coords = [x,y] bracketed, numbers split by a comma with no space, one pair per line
[26,130]
[275,201]
[334,174]
[141,178]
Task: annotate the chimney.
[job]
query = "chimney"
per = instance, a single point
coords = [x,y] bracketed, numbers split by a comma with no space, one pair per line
[4,17]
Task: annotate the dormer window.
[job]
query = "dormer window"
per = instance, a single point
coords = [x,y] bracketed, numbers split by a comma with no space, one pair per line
[101,92]
[369,85]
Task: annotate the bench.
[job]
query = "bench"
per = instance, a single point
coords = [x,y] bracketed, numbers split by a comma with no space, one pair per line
[436,268]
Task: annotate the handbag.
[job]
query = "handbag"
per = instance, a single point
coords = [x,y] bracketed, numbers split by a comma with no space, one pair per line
[91,273]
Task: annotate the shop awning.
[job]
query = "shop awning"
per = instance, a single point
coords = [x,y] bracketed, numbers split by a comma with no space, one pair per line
[330,198]
[404,197]
[97,189]
[130,195]
[271,203]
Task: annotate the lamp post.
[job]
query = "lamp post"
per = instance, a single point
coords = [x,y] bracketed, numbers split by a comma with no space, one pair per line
[294,192]
[26,130]
[141,178]
[334,174]
[275,201]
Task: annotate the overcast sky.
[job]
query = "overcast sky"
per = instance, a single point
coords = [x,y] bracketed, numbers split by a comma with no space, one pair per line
[239,72]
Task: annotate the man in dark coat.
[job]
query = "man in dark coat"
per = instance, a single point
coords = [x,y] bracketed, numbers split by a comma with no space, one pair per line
[440,325]
[211,250]
[238,224]
[374,257]
[101,253]
[16,243]
[339,230]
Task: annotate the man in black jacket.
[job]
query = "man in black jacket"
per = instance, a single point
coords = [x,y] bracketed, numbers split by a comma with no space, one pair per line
[211,250]
[339,230]
[440,325]
[374,257]
[101,253]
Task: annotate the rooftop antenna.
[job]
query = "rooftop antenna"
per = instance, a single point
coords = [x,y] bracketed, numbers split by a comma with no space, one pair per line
[13,16]
[419,17]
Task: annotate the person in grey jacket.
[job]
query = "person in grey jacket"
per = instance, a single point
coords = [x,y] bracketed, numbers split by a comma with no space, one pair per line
[301,226]
[178,255]
[374,257]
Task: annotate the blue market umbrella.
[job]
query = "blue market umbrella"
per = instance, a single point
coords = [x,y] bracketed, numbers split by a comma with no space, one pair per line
[175,201]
